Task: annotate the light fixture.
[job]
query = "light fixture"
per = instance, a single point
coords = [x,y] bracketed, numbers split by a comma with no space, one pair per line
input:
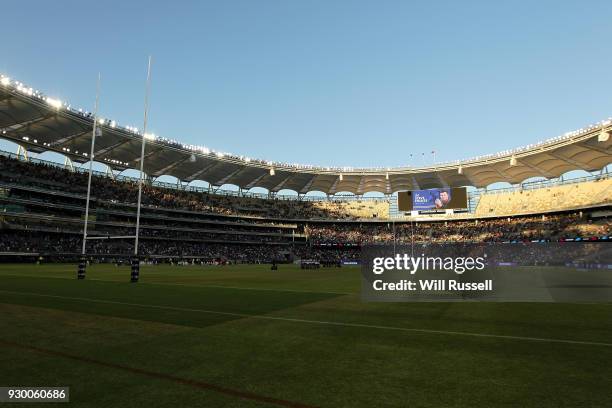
[56,103]
[603,136]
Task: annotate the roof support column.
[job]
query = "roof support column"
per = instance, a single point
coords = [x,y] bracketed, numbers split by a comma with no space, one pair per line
[109,172]
[68,164]
[21,151]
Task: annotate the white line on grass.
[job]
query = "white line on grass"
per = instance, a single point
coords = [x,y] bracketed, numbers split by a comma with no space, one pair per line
[249,288]
[320,322]
[196,285]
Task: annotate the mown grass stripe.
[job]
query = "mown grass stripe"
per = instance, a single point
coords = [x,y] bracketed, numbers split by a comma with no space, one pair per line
[196,285]
[320,322]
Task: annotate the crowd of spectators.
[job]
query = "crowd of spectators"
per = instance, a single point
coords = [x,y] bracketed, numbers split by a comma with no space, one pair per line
[54,244]
[126,191]
[549,228]
[584,194]
[153,231]
[325,241]
[56,227]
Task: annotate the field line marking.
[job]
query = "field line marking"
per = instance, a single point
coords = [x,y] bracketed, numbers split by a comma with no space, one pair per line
[180,380]
[249,288]
[230,287]
[320,322]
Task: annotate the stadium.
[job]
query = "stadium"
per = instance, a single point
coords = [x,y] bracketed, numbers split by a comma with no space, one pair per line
[44,202]
[139,270]
[218,244]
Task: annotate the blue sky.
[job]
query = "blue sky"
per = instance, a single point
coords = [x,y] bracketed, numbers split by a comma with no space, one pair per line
[347,83]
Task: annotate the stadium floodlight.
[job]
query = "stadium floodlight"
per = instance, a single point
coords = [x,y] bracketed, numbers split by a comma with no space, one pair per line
[272,172]
[29,91]
[56,103]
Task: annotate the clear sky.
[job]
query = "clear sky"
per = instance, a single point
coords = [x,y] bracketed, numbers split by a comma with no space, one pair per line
[327,82]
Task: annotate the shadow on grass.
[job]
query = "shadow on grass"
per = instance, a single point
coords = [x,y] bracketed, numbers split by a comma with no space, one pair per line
[73,295]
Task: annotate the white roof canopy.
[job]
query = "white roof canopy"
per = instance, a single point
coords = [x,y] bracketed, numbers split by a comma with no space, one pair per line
[42,124]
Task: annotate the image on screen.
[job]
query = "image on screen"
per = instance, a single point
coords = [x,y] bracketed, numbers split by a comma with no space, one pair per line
[433,199]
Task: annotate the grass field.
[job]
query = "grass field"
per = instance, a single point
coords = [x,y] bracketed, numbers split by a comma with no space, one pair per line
[245,336]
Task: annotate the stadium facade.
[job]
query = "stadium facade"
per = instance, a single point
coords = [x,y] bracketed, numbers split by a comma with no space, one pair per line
[42,204]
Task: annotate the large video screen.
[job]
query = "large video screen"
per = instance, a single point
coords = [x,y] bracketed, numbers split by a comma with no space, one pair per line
[433,199]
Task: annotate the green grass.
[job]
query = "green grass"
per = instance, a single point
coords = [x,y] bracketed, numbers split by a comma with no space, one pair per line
[301,336]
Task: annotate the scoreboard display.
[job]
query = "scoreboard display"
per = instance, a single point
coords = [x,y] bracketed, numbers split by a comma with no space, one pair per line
[433,199]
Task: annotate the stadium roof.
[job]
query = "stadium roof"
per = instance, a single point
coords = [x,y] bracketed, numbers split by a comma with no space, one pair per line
[40,123]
